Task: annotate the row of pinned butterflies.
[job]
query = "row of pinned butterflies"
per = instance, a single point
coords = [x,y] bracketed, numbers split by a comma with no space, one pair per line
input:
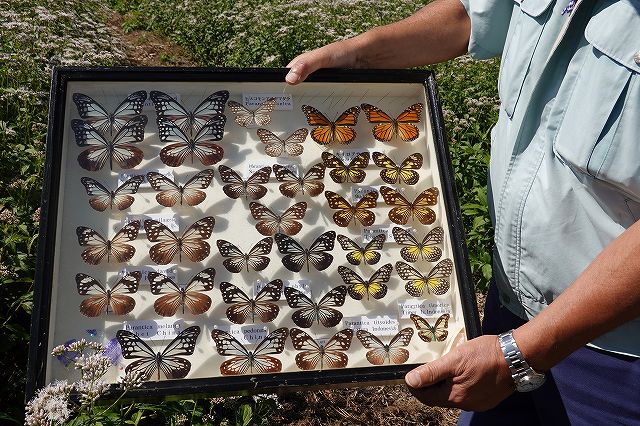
[191,297]
[309,183]
[313,354]
[111,136]
[194,246]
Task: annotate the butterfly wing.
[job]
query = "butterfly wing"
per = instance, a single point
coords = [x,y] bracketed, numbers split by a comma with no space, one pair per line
[346,212]
[294,255]
[317,253]
[375,286]
[170,192]
[242,307]
[190,122]
[429,250]
[192,241]
[102,198]
[438,278]
[93,113]
[120,303]
[135,348]
[171,364]
[379,352]
[167,245]
[322,312]
[421,209]
[310,183]
[405,128]
[387,128]
[243,360]
[404,209]
[330,355]
[212,106]
[438,332]
[261,115]
[270,223]
[168,304]
[257,257]
[416,282]
[273,344]
[98,299]
[195,301]
[199,146]
[121,198]
[274,146]
[98,247]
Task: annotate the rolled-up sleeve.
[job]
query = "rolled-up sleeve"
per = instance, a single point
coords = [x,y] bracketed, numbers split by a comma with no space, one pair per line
[489,25]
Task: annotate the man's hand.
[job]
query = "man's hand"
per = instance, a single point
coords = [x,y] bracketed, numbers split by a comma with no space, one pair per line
[340,54]
[472,376]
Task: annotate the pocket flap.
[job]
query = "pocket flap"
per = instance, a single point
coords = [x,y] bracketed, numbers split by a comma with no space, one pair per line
[615,31]
[534,8]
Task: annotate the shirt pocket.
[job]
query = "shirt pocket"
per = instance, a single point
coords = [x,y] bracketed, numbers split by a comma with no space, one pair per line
[522,42]
[600,134]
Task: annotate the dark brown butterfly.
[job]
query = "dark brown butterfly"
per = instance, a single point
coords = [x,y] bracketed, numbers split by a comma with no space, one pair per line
[310,183]
[102,299]
[322,312]
[326,131]
[244,308]
[189,296]
[392,352]
[270,223]
[296,256]
[171,192]
[102,197]
[104,121]
[167,108]
[387,128]
[429,333]
[347,212]
[186,145]
[374,287]
[314,355]
[368,254]
[418,209]
[436,282]
[274,146]
[237,260]
[341,173]
[251,188]
[98,247]
[169,361]
[427,249]
[259,116]
[243,361]
[392,173]
[191,243]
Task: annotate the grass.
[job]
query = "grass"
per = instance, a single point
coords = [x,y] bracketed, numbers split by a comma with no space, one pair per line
[35,35]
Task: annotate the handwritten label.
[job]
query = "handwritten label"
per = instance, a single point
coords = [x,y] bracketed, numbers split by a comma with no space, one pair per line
[125,176]
[155,329]
[346,155]
[170,271]
[148,104]
[382,325]
[284,101]
[169,220]
[303,286]
[245,334]
[425,308]
[370,232]
[357,192]
[254,166]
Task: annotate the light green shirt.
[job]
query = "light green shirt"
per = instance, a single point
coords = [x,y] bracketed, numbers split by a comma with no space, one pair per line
[565,155]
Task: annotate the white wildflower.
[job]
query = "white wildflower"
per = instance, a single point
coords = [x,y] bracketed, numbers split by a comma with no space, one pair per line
[50,405]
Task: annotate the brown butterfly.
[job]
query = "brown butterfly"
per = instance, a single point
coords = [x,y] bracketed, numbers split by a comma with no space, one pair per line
[436,282]
[393,352]
[237,260]
[341,173]
[236,187]
[244,308]
[243,361]
[189,296]
[326,131]
[189,145]
[387,128]
[330,354]
[259,116]
[270,223]
[191,243]
[310,183]
[98,247]
[347,212]
[374,286]
[418,209]
[404,173]
[296,256]
[189,193]
[274,146]
[322,312]
[102,197]
[437,332]
[102,299]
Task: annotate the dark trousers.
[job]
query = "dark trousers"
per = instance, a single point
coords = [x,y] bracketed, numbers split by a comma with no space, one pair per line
[590,387]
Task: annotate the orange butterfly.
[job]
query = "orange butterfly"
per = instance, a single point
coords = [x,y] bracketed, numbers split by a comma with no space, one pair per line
[327,131]
[388,128]
[346,211]
[418,209]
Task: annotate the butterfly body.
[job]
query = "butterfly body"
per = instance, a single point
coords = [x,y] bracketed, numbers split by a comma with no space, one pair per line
[360,212]
[426,249]
[191,243]
[169,361]
[237,260]
[387,128]
[432,333]
[295,256]
[102,197]
[341,173]
[327,132]
[367,254]
[103,299]
[436,281]
[244,308]
[170,192]
[404,210]
[259,360]
[392,352]
[270,223]
[314,355]
[310,183]
[404,173]
[107,122]
[190,296]
[323,312]
[189,121]
[236,187]
[98,247]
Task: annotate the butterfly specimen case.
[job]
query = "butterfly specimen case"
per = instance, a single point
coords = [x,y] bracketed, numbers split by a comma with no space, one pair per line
[218,230]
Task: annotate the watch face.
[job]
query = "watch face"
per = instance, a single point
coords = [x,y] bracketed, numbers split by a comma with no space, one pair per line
[529,383]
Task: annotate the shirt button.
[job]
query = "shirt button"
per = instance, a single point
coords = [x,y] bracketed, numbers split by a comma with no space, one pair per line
[636,58]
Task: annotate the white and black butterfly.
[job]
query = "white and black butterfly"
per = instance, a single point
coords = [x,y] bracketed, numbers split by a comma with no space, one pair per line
[102,197]
[275,147]
[189,296]
[270,223]
[257,361]
[259,116]
[189,121]
[107,122]
[251,188]
[169,362]
[296,256]
[243,308]
[236,260]
[199,146]
[190,193]
[322,312]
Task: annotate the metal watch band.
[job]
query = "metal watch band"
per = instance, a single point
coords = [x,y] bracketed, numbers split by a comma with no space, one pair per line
[524,377]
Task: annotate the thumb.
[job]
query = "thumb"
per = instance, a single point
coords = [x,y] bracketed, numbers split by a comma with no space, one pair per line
[429,374]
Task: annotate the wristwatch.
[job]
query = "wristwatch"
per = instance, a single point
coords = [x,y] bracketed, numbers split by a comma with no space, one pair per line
[525,378]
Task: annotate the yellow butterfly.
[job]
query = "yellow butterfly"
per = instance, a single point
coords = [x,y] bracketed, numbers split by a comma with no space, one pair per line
[367,254]
[392,173]
[341,173]
[426,249]
[436,282]
[374,286]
